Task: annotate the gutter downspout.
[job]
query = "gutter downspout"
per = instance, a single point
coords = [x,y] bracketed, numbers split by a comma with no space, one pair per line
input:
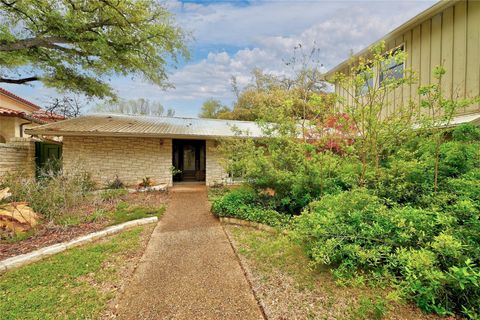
[21,128]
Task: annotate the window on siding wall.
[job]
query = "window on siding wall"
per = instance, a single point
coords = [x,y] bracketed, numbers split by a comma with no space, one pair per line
[392,68]
[368,83]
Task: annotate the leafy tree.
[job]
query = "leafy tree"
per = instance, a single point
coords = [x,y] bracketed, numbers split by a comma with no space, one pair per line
[78,45]
[213,108]
[374,131]
[139,106]
[302,93]
[438,114]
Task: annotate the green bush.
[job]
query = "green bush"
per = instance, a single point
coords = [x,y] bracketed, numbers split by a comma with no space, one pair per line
[244,203]
[428,252]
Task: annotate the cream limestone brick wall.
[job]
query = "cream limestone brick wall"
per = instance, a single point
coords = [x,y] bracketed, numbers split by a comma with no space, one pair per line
[17,156]
[130,158]
[216,173]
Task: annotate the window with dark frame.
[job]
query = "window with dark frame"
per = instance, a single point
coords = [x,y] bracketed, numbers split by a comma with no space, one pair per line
[393,69]
[367,85]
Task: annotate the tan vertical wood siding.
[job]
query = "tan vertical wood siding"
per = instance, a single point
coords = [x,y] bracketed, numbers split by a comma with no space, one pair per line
[450,38]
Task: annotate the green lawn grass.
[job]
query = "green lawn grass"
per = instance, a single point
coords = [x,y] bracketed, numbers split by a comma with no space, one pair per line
[123,212]
[126,212]
[70,285]
[320,296]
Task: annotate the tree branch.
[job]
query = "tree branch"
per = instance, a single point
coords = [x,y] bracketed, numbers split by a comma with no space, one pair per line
[19,81]
[30,43]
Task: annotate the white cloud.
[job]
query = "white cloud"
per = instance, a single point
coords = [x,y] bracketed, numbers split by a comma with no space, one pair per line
[265,33]
[269,31]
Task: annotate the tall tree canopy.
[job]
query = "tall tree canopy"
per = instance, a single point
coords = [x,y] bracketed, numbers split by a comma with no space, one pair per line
[77,45]
[299,94]
[213,108]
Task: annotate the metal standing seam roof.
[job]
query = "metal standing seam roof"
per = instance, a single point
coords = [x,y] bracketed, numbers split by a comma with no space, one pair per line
[148,126]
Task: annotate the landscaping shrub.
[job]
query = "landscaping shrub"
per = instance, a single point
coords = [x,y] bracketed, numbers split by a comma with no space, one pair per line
[116,183]
[244,203]
[49,195]
[397,201]
[433,255]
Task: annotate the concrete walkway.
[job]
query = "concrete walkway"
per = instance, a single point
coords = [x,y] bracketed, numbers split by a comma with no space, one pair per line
[189,270]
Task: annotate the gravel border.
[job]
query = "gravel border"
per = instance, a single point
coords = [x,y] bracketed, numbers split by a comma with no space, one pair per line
[246,271]
[40,254]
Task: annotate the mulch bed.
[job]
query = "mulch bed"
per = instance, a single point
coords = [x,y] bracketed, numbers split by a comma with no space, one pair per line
[50,234]
[47,236]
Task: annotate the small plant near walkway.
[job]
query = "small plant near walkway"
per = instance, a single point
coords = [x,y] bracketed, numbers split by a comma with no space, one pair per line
[290,288]
[76,284]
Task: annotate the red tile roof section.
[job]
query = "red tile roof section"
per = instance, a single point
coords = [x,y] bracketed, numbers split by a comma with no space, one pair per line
[39,116]
[47,116]
[10,112]
[14,96]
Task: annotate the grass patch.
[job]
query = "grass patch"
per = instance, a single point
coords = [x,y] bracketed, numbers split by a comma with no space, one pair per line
[17,237]
[112,194]
[122,212]
[68,285]
[125,212]
[283,274]
[275,251]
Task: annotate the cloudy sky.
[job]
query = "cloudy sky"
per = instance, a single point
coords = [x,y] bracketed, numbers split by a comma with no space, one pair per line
[231,38]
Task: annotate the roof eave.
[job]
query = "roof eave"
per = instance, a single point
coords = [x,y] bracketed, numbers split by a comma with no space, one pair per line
[131,135]
[25,102]
[410,24]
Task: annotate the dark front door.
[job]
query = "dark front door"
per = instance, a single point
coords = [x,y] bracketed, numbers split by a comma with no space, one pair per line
[47,157]
[189,160]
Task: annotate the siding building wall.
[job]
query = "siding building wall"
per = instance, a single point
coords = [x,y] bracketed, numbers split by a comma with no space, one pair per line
[448,36]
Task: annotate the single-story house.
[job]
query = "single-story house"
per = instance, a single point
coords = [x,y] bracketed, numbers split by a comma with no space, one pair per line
[133,147]
[447,34]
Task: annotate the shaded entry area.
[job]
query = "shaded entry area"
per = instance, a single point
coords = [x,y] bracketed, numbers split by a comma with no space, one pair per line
[189,159]
[47,156]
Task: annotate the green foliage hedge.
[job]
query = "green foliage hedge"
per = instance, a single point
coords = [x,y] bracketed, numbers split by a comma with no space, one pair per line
[391,223]
[431,255]
[244,203]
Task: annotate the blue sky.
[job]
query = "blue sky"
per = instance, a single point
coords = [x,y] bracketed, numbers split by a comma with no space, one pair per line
[231,38]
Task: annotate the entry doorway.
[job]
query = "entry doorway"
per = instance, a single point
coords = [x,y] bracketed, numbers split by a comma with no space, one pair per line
[188,159]
[47,157]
